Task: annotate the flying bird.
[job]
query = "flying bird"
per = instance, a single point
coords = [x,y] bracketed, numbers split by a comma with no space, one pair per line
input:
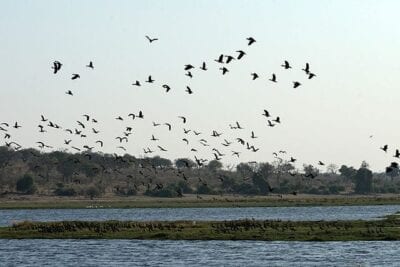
[56,66]
[75,76]
[90,65]
[189,90]
[220,59]
[203,66]
[151,39]
[224,70]
[137,83]
[241,54]
[250,40]
[385,148]
[307,68]
[296,84]
[286,65]
[150,79]
[273,79]
[69,92]
[167,88]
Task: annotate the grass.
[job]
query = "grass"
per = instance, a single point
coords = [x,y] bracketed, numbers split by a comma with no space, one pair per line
[386,229]
[190,201]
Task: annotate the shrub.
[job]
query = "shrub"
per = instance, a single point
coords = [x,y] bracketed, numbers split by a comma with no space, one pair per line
[93,192]
[65,192]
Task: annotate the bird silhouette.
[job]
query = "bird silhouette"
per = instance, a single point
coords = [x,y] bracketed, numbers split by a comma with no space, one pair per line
[167,88]
[277,120]
[270,124]
[189,90]
[153,138]
[90,65]
[286,65]
[137,83]
[224,70]
[162,149]
[255,76]
[220,59]
[189,74]
[151,39]
[183,118]
[99,142]
[241,54]
[229,59]
[16,125]
[321,163]
[385,148]
[69,92]
[56,66]
[203,66]
[296,84]
[169,126]
[188,67]
[75,76]
[273,79]
[397,154]
[150,79]
[307,68]
[266,113]
[253,135]
[250,40]
[311,75]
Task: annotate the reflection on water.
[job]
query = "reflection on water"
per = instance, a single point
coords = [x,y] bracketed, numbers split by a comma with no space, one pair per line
[196,253]
[147,214]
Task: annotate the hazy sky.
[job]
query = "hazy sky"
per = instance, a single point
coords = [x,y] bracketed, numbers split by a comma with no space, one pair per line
[352,46]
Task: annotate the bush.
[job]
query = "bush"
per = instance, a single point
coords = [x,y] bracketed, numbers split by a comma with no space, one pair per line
[65,192]
[204,190]
[93,192]
[25,184]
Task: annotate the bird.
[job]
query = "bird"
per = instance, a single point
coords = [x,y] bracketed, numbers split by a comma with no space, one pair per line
[16,126]
[140,115]
[156,124]
[167,88]
[95,131]
[241,54]
[277,120]
[161,148]
[67,142]
[169,126]
[56,66]
[150,79]
[99,142]
[385,148]
[75,76]
[255,75]
[220,59]
[151,39]
[43,119]
[286,65]
[224,70]
[86,116]
[137,83]
[153,138]
[7,136]
[132,115]
[397,154]
[122,138]
[196,133]
[189,90]
[273,79]
[296,84]
[216,156]
[250,40]
[321,163]
[189,74]
[266,113]
[119,118]
[311,75]
[188,67]
[235,153]
[185,140]
[90,65]
[229,59]
[81,124]
[270,124]
[203,66]
[292,160]
[253,135]
[307,68]
[183,118]
[69,92]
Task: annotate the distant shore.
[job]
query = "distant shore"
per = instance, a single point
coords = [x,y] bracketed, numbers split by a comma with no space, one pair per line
[193,201]
[385,229]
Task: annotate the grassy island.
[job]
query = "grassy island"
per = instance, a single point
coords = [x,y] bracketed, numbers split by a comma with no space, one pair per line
[272,230]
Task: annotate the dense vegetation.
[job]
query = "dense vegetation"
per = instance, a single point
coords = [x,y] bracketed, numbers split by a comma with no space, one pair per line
[93,175]
[387,229]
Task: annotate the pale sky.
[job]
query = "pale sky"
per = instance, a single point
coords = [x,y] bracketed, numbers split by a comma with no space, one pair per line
[352,47]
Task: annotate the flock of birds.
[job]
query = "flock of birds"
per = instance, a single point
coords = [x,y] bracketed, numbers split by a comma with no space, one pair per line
[89,125]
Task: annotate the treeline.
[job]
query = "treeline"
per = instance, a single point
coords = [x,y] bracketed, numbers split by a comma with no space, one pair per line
[92,175]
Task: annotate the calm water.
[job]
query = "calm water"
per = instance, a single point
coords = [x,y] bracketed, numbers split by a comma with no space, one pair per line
[283,213]
[196,253]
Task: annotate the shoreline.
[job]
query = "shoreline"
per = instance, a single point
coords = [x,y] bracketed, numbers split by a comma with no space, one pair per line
[268,230]
[191,201]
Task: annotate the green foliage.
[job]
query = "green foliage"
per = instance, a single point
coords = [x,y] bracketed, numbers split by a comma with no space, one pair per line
[260,183]
[25,184]
[64,191]
[363,179]
[214,165]
[204,189]
[93,192]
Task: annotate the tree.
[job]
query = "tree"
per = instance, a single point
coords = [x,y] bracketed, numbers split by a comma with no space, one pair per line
[214,165]
[25,184]
[265,170]
[244,169]
[260,183]
[363,179]
[184,163]
[332,168]
[348,172]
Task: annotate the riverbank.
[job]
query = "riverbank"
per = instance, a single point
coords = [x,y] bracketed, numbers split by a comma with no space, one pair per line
[386,229]
[193,201]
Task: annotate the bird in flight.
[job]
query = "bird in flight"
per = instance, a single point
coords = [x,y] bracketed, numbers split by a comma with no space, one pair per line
[56,66]
[307,68]
[189,90]
[137,83]
[220,59]
[385,148]
[241,54]
[224,70]
[161,148]
[150,79]
[266,113]
[189,74]
[69,92]
[286,65]
[296,84]
[203,66]
[250,40]
[169,126]
[311,75]
[255,75]
[188,67]
[229,59]
[183,118]
[75,76]
[167,88]
[397,154]
[273,79]
[151,39]
[16,126]
[90,65]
